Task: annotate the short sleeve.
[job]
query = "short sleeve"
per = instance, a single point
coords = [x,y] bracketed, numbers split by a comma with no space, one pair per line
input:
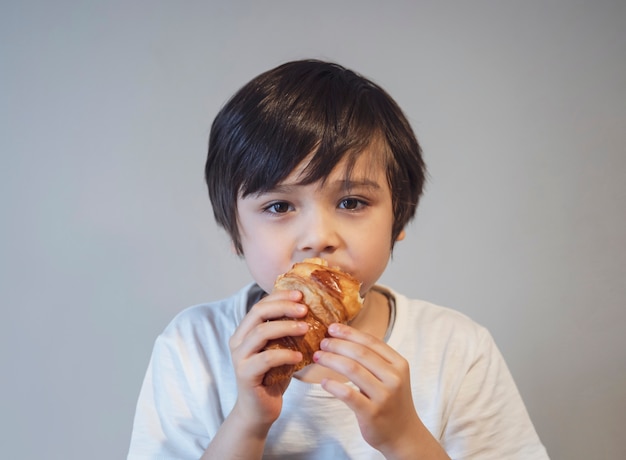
[189,385]
[488,419]
[165,425]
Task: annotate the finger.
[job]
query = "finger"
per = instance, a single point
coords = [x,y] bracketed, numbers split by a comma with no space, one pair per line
[366,393]
[352,397]
[254,368]
[279,304]
[341,354]
[355,371]
[345,332]
[258,337]
[377,362]
[251,362]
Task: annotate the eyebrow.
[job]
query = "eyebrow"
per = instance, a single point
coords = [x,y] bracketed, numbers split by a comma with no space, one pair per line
[359,183]
[278,188]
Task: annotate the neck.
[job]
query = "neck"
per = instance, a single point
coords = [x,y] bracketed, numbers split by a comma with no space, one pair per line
[374,316]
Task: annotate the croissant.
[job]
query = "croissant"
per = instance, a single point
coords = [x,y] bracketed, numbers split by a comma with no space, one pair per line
[331,295]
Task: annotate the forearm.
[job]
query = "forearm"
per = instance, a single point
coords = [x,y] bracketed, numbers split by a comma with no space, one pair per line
[237,439]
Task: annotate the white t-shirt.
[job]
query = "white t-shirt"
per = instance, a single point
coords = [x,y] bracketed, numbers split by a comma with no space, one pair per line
[462,391]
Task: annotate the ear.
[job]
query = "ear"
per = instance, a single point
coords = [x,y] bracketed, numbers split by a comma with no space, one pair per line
[401,235]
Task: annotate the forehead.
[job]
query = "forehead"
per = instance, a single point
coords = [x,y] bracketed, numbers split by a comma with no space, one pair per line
[321,165]
[368,164]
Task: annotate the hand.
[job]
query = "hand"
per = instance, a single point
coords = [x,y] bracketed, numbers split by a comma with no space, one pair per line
[258,404]
[383,403]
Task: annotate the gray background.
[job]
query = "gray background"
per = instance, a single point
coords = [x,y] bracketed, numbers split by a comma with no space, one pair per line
[107,232]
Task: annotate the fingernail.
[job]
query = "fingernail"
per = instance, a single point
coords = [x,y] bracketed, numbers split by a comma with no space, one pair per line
[323,343]
[333,328]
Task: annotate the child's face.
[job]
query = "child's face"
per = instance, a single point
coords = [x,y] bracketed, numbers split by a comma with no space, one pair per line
[348,224]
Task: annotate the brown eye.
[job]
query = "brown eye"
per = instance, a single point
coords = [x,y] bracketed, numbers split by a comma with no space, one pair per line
[350,203]
[280,207]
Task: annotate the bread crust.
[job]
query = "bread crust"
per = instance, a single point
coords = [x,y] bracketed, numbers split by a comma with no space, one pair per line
[331,295]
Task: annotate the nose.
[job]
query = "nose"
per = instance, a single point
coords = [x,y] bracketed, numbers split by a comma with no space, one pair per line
[319,234]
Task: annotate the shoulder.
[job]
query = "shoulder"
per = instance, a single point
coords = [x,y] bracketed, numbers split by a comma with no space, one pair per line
[189,385]
[463,388]
[208,320]
[427,319]
[438,336]
[194,344]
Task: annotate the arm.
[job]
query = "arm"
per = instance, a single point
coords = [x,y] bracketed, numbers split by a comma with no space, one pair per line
[237,439]
[244,432]
[384,405]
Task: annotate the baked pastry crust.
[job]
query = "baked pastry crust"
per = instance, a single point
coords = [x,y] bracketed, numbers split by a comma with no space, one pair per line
[331,295]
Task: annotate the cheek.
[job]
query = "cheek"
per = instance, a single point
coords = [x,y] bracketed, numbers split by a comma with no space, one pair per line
[260,268]
[373,255]
[263,257]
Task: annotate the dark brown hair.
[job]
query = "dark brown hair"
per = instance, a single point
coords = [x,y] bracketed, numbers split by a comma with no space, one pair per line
[280,117]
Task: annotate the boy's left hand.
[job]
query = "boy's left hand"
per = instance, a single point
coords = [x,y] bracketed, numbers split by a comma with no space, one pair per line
[384,405]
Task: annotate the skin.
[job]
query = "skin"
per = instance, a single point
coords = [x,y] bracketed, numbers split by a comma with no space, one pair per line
[350,225]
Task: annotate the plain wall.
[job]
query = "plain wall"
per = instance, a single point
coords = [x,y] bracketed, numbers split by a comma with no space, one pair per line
[107,231]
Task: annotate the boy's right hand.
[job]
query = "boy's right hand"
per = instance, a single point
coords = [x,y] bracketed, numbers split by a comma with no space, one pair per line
[260,405]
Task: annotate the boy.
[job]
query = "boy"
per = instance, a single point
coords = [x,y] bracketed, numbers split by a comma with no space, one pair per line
[312,160]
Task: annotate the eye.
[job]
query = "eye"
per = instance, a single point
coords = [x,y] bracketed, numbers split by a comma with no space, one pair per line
[278,207]
[351,204]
